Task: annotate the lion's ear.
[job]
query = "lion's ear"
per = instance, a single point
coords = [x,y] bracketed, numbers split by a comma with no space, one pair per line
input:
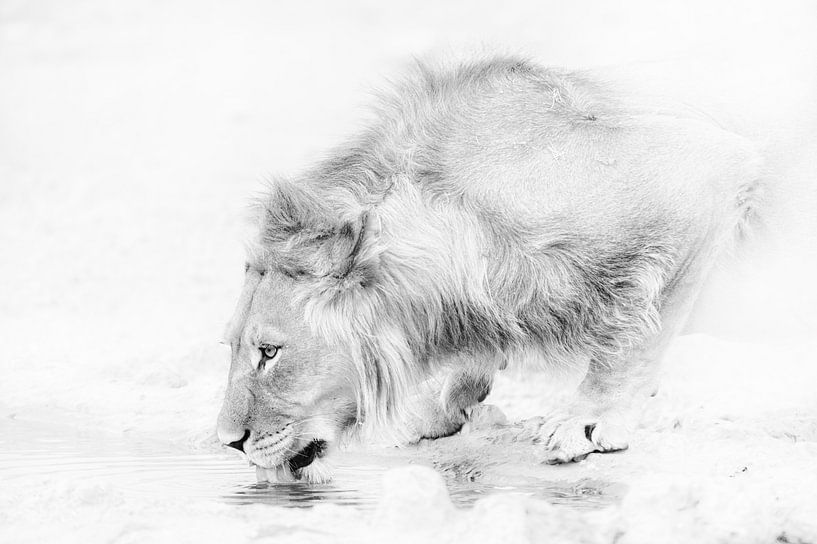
[346,248]
[336,254]
[308,234]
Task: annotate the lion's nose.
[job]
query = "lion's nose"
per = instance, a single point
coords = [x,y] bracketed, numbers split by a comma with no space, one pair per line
[237,444]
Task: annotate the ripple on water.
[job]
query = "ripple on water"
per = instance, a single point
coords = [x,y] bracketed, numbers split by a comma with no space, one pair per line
[150,468]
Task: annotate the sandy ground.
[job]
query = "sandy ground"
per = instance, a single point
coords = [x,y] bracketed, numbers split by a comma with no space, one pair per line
[132,134]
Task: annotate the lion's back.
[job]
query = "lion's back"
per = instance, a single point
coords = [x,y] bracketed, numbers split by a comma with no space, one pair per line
[553,200]
[539,143]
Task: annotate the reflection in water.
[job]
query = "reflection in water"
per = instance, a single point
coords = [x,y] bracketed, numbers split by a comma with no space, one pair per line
[32,452]
[357,486]
[585,494]
[298,495]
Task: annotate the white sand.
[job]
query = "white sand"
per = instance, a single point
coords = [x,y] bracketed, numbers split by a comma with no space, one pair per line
[131,135]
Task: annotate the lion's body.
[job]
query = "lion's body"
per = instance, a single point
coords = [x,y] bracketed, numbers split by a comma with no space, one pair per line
[501,209]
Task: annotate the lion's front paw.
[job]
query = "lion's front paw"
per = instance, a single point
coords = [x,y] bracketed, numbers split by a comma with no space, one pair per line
[572,438]
[425,417]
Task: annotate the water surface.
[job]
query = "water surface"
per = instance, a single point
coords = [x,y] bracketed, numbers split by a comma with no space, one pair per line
[141,467]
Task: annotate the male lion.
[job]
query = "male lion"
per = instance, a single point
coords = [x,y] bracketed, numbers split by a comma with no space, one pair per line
[493,211]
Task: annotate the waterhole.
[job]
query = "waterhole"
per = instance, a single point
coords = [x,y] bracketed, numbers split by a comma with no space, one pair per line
[140,467]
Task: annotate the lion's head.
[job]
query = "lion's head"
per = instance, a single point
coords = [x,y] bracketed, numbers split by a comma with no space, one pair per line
[310,356]
[288,397]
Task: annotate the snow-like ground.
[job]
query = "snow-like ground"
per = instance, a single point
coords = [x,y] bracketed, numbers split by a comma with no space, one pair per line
[132,134]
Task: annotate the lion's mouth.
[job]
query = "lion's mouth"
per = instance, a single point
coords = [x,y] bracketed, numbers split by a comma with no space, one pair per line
[304,458]
[292,469]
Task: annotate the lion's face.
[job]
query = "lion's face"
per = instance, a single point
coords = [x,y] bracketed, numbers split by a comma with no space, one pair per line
[288,395]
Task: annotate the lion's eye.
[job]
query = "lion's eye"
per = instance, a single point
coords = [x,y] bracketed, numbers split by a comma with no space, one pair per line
[268,352]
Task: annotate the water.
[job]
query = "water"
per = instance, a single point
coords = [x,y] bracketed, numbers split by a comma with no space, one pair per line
[148,468]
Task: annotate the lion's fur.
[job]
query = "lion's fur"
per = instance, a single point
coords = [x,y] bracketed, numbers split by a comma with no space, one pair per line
[497,208]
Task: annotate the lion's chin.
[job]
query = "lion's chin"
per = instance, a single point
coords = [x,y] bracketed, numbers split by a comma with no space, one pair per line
[279,474]
[307,465]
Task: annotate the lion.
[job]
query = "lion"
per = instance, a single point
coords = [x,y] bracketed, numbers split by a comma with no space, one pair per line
[493,212]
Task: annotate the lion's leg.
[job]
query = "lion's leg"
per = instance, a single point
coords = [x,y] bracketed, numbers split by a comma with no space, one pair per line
[602,414]
[598,418]
[445,402]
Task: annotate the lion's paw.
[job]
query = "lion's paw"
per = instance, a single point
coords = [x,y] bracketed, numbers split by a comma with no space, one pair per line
[426,418]
[572,438]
